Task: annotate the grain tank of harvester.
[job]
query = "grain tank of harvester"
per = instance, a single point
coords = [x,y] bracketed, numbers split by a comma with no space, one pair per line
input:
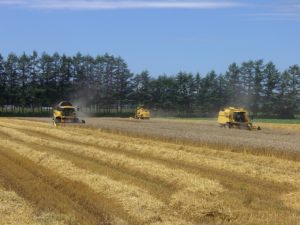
[236,118]
[65,112]
[142,113]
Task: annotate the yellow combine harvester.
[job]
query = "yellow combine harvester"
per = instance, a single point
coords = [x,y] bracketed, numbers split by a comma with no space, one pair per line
[65,112]
[142,113]
[236,118]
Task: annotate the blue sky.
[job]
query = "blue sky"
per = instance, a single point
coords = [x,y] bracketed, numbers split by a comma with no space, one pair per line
[162,36]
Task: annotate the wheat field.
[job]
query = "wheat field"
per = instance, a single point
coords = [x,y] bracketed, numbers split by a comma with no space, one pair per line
[107,174]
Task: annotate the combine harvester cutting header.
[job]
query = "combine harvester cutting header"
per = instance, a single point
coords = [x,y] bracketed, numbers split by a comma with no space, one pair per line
[65,112]
[236,118]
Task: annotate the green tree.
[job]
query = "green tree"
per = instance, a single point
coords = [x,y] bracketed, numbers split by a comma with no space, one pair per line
[24,69]
[221,93]
[34,82]
[164,92]
[294,89]
[270,85]
[79,78]
[284,101]
[247,77]
[289,90]
[197,93]
[88,90]
[209,93]
[3,91]
[141,88]
[185,88]
[258,88]
[234,86]
[65,77]
[48,80]
[122,79]
[108,89]
[12,72]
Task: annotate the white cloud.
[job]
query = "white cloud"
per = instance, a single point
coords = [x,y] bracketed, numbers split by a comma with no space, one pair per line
[124,4]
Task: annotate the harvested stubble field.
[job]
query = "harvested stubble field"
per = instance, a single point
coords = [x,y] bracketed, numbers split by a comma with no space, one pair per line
[122,171]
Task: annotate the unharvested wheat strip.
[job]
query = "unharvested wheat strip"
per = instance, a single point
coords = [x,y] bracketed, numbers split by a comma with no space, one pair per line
[286,171]
[190,185]
[134,200]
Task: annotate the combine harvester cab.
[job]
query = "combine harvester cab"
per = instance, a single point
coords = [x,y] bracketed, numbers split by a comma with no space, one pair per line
[142,113]
[236,118]
[65,112]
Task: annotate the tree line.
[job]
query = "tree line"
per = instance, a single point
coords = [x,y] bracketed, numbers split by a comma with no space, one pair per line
[105,81]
